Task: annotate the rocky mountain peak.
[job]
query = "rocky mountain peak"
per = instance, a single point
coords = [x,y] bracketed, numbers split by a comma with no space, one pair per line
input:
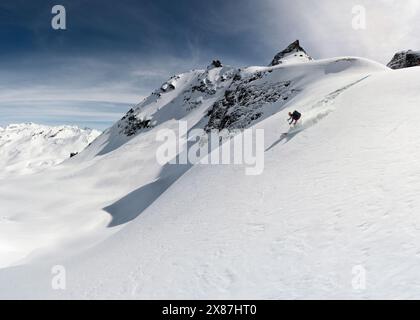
[293,51]
[215,64]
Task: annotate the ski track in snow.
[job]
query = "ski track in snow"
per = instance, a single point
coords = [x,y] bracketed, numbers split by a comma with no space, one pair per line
[316,113]
[319,110]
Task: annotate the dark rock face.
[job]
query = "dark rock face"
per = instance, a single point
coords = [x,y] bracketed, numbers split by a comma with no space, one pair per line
[405,59]
[204,87]
[130,124]
[292,48]
[168,86]
[215,64]
[244,102]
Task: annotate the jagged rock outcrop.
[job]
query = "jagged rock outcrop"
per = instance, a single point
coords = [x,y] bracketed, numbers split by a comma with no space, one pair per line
[168,85]
[178,96]
[245,99]
[215,64]
[231,98]
[294,50]
[405,59]
[130,124]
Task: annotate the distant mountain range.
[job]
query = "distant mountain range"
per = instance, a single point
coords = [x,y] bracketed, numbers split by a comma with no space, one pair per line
[28,147]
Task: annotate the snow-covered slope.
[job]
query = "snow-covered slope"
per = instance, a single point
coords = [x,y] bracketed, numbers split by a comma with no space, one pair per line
[339,193]
[28,147]
[66,207]
[187,96]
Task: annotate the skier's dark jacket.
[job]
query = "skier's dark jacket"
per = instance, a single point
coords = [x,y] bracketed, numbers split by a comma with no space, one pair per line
[296,115]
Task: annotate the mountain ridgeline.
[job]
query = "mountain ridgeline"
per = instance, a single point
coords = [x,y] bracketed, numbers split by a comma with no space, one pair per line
[229,98]
[224,97]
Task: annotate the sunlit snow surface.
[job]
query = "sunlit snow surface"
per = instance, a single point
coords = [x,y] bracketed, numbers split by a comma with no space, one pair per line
[28,148]
[340,192]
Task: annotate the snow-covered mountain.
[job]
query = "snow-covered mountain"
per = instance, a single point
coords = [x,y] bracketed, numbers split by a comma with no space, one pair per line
[186,96]
[339,193]
[405,59]
[218,97]
[28,147]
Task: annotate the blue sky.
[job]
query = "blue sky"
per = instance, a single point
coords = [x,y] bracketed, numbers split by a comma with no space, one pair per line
[115,53]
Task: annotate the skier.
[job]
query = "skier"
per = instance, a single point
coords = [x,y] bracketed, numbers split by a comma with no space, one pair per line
[295,116]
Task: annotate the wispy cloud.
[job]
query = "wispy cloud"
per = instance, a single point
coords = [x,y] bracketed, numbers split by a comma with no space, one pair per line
[325,26]
[93,114]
